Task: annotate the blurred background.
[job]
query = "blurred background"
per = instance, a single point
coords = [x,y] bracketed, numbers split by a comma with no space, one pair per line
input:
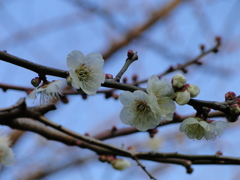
[164,33]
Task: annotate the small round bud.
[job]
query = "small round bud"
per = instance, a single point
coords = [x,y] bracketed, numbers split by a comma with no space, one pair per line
[219,153]
[125,80]
[69,81]
[130,54]
[182,97]
[64,99]
[36,81]
[102,158]
[108,76]
[84,96]
[218,39]
[178,80]
[134,77]
[115,96]
[230,96]
[121,164]
[202,47]
[192,89]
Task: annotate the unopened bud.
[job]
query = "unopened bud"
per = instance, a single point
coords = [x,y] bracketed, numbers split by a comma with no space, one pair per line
[230,96]
[125,80]
[102,158]
[202,47]
[134,77]
[192,89]
[219,153]
[36,81]
[130,54]
[178,80]
[115,96]
[218,39]
[121,164]
[182,97]
[108,76]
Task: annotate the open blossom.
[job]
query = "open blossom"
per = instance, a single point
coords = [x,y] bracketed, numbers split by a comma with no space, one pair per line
[48,91]
[6,153]
[140,110]
[178,81]
[196,128]
[217,128]
[86,72]
[120,164]
[164,93]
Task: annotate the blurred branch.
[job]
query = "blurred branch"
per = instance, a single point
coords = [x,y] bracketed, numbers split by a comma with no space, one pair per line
[136,32]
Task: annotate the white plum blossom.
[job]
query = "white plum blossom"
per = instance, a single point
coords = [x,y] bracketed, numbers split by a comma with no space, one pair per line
[216,129]
[192,89]
[120,164]
[140,110]
[86,72]
[48,91]
[6,153]
[164,93]
[178,80]
[182,97]
[196,128]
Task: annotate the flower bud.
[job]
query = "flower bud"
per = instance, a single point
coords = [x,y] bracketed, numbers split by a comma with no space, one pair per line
[230,96]
[193,90]
[108,76]
[182,97]
[121,164]
[69,81]
[36,81]
[178,81]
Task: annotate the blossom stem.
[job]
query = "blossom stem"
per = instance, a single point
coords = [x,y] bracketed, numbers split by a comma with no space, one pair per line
[125,66]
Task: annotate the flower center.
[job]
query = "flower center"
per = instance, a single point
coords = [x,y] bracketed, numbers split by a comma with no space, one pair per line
[83,73]
[141,107]
[195,130]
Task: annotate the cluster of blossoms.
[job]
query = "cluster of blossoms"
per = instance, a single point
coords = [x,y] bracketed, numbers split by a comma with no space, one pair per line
[196,128]
[183,91]
[6,153]
[143,110]
[85,73]
[118,164]
[146,110]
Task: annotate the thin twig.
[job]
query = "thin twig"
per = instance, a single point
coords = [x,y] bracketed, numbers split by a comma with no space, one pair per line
[143,167]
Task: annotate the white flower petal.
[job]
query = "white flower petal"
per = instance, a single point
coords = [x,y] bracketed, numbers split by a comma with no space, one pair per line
[95,59]
[126,98]
[74,59]
[127,116]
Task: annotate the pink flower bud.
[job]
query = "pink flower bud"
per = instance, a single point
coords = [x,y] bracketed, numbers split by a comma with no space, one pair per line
[108,76]
[230,95]
[36,81]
